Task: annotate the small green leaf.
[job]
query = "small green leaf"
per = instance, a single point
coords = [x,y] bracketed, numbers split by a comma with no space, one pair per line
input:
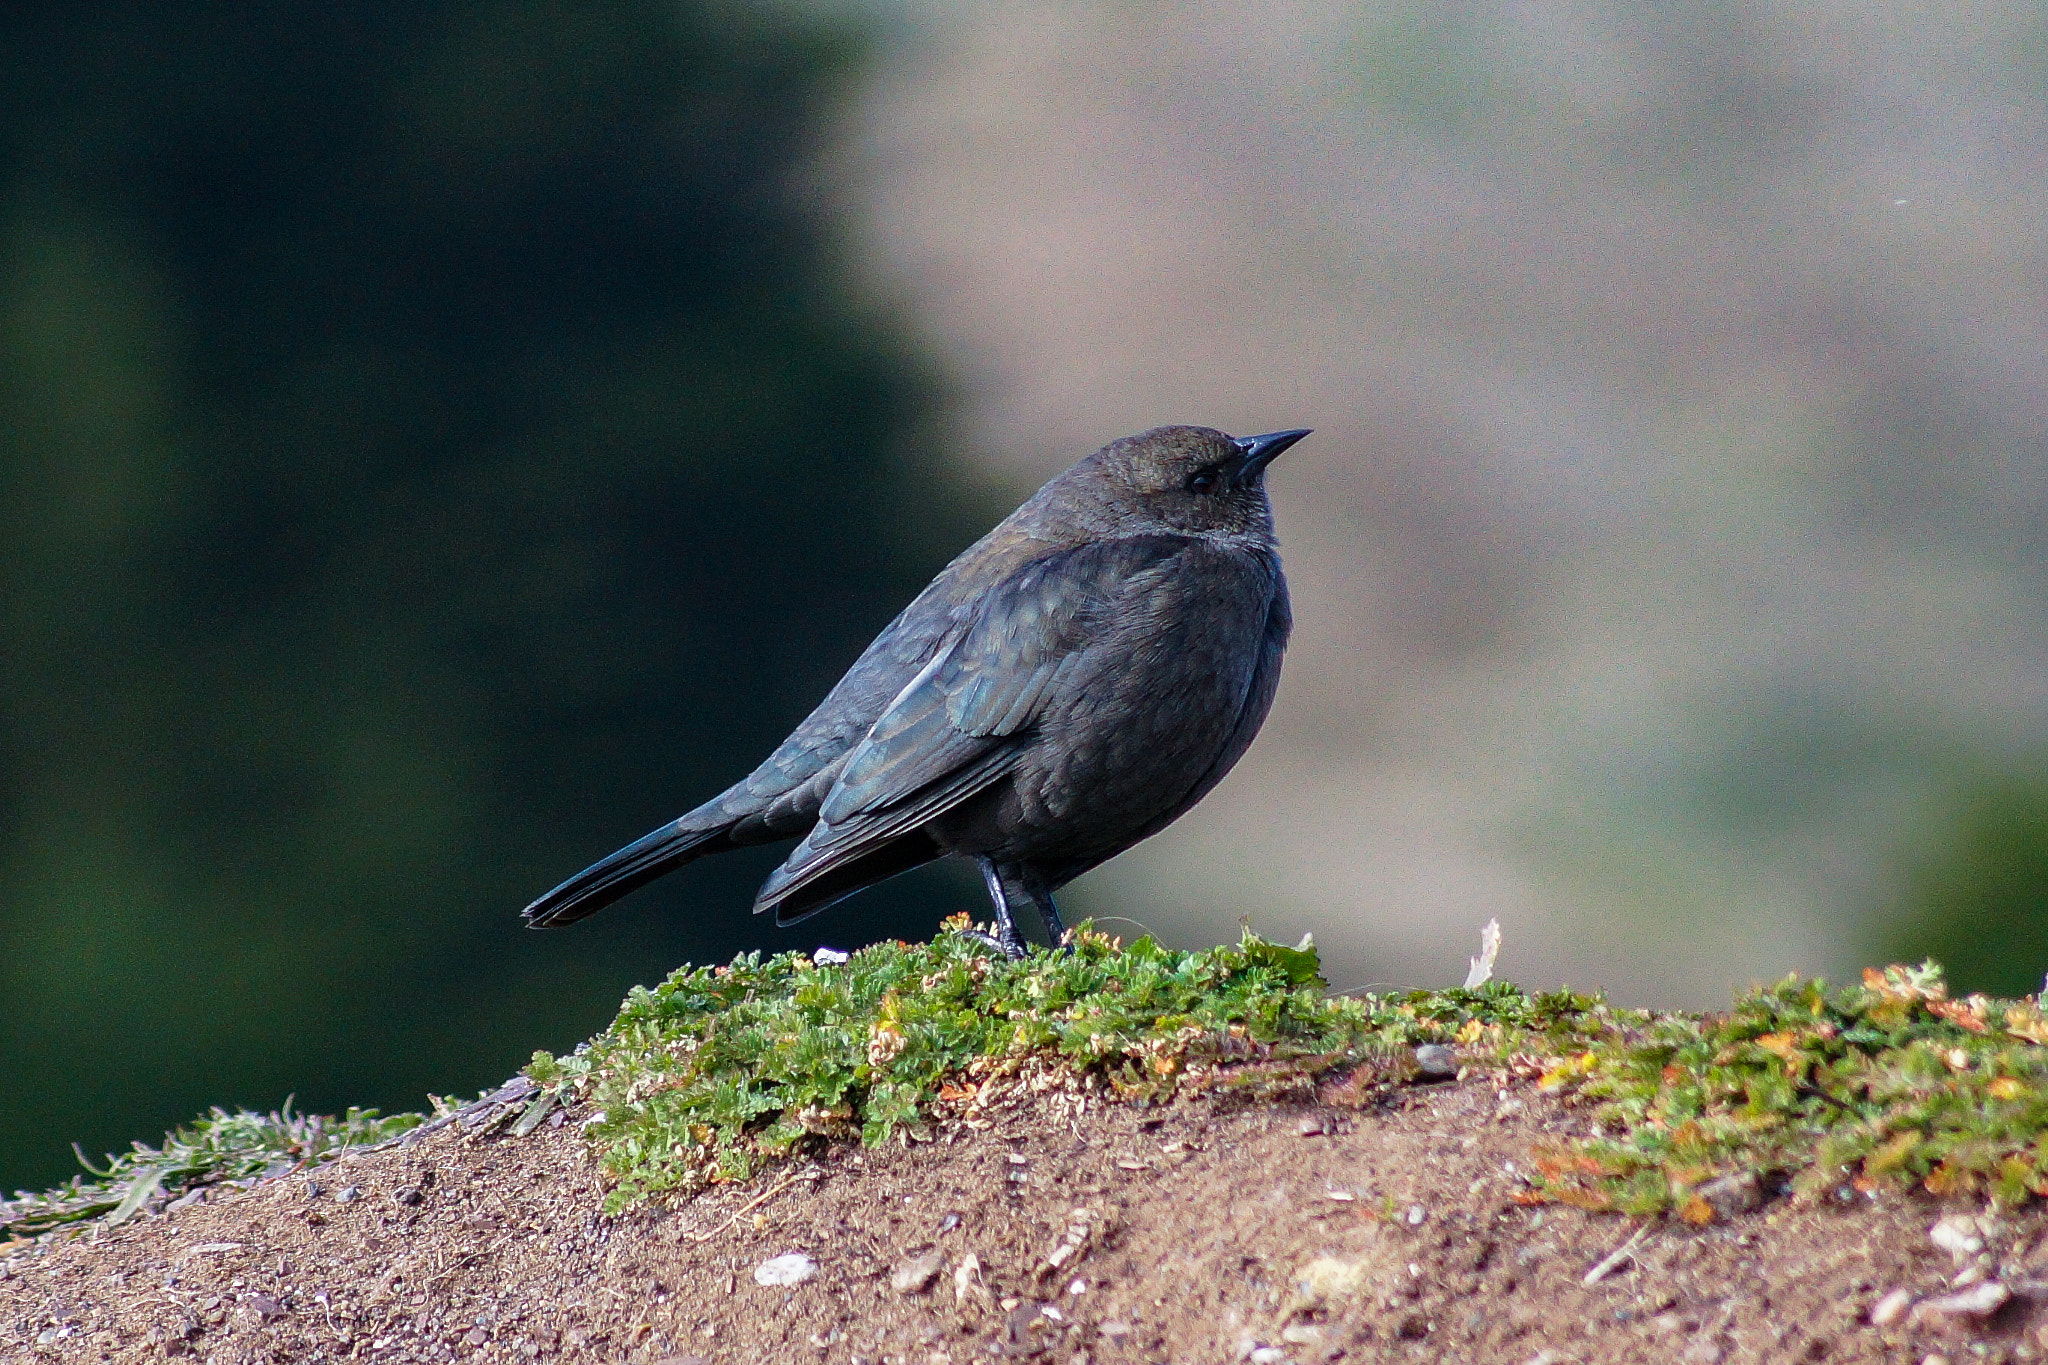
[145,1184]
[1302,965]
[535,1113]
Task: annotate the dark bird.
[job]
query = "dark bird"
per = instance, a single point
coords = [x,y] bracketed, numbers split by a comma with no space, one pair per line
[1070,685]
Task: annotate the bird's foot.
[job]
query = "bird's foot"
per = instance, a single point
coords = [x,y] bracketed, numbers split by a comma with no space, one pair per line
[1011,948]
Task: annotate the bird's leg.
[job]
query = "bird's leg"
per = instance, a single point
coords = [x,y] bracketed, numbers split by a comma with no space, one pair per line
[1022,884]
[1012,886]
[1050,913]
[1005,938]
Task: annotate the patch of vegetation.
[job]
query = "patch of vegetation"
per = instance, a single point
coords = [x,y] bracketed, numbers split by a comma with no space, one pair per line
[217,1148]
[1881,1084]
[720,1069]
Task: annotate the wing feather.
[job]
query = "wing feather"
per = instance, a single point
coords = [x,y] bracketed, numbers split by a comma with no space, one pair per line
[956,728]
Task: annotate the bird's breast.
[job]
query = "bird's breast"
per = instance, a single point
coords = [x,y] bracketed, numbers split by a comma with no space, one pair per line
[1155,703]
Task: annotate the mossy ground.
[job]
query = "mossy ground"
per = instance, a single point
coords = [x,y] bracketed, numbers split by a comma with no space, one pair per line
[1888,1082]
[719,1070]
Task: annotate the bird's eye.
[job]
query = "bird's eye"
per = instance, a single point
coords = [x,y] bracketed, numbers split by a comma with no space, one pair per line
[1203,481]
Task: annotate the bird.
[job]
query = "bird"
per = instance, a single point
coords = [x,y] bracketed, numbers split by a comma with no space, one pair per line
[1069,685]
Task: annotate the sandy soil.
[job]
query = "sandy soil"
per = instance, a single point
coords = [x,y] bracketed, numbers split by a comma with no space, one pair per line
[1065,1228]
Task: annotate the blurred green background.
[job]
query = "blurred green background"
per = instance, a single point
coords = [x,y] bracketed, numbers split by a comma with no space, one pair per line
[439,442]
[436,446]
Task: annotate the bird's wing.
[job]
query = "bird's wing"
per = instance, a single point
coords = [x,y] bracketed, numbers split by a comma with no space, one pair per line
[1027,634]
[956,727]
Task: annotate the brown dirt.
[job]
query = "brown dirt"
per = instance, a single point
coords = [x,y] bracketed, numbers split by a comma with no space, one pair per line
[1194,1235]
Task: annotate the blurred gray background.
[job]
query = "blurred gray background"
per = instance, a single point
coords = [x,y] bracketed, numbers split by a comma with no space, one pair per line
[1670,554]
[440,442]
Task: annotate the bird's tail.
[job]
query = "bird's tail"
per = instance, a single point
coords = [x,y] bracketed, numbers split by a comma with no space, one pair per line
[631,868]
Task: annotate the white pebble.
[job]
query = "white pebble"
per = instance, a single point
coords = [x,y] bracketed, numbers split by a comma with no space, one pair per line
[792,1268]
[1957,1235]
[1979,1300]
[1891,1308]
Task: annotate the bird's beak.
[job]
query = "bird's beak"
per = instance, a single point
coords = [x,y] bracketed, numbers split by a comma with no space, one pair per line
[1259,451]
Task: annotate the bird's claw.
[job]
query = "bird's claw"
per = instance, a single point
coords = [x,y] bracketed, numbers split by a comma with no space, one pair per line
[1011,948]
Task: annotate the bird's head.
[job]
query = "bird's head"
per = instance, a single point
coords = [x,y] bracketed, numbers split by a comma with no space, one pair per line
[1193,479]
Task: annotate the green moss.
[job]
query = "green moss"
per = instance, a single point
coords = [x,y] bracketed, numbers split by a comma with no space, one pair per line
[719,1069]
[1885,1083]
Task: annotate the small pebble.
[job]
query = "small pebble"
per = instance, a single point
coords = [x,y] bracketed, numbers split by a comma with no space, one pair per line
[791,1268]
[967,1279]
[1416,1213]
[1311,1125]
[349,1194]
[1891,1308]
[1026,1327]
[1436,1062]
[1978,1301]
[915,1275]
[1267,1355]
[1729,1195]
[1957,1235]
